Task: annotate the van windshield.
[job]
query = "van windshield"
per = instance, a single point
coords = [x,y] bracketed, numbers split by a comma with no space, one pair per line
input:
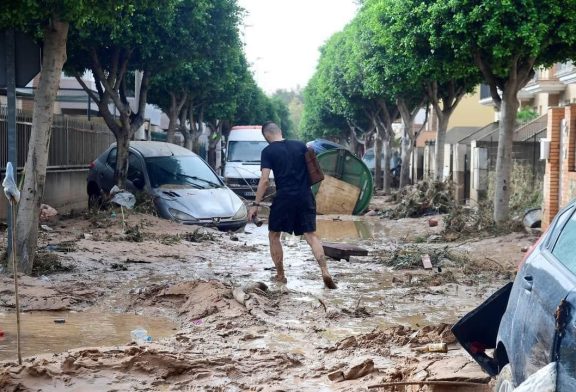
[245,151]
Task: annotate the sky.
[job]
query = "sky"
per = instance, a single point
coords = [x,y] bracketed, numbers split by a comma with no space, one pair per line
[282,37]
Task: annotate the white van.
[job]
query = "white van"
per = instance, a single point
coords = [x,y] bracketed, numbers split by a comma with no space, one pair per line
[242,167]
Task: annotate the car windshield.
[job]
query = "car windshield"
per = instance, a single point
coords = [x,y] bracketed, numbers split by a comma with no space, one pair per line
[245,151]
[183,171]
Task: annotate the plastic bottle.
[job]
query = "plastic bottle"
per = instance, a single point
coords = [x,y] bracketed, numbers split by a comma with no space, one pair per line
[140,336]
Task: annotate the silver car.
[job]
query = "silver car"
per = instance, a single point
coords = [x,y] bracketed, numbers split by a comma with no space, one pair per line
[183,187]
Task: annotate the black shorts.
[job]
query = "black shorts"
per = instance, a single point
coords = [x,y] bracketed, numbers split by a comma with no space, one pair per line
[293,214]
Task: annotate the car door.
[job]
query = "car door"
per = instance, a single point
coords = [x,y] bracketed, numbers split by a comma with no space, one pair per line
[564,350]
[136,179]
[107,172]
[545,282]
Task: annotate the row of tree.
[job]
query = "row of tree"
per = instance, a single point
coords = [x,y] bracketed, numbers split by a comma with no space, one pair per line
[191,63]
[398,57]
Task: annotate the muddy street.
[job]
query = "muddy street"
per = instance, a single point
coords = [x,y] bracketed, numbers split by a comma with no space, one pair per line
[218,322]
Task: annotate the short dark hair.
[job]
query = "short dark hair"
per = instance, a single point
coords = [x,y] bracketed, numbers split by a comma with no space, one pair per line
[270,127]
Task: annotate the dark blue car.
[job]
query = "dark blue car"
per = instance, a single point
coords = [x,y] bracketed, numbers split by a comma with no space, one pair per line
[321,145]
[531,322]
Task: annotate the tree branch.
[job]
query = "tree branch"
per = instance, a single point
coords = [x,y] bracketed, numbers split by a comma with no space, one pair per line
[87,89]
[490,79]
[143,93]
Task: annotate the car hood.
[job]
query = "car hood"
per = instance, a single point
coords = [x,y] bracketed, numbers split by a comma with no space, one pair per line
[200,203]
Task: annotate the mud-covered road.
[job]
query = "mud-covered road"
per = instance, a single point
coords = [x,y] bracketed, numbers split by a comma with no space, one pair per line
[179,284]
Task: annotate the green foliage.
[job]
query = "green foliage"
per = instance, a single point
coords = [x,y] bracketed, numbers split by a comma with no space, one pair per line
[526,114]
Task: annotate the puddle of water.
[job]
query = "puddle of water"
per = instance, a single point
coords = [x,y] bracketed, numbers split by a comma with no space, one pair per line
[40,334]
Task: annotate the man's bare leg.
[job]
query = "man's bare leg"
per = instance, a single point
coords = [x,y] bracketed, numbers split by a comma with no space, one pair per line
[318,252]
[277,255]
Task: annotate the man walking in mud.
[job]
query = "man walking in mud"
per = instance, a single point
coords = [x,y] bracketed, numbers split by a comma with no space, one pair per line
[294,208]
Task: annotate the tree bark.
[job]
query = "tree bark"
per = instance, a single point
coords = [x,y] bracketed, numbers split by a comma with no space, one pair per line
[508,112]
[213,140]
[378,158]
[176,104]
[408,139]
[439,145]
[111,87]
[54,57]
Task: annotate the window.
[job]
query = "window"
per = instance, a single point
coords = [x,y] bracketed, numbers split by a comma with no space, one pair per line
[564,250]
[111,161]
[245,151]
[182,172]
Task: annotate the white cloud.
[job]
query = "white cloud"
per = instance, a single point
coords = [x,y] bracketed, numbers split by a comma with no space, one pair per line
[283,37]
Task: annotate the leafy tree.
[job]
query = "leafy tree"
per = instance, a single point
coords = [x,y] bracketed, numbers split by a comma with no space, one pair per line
[506,40]
[49,21]
[445,77]
[146,35]
[397,76]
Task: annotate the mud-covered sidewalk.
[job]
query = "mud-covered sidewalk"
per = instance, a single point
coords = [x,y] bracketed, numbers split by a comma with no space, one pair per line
[219,323]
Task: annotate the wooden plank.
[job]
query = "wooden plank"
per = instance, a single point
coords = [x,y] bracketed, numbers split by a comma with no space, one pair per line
[426,262]
[342,251]
[336,197]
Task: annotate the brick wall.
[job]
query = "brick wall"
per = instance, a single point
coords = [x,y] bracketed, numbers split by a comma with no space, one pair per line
[552,176]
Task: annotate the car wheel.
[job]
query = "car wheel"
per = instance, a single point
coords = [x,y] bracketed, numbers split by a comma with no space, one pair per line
[504,381]
[94,200]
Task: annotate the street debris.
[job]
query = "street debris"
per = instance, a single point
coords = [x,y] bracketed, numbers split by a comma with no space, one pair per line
[233,329]
[47,213]
[355,372]
[411,256]
[423,198]
[342,251]
[46,263]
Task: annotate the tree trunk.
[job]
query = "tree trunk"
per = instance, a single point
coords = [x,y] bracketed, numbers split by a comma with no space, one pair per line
[378,159]
[172,119]
[176,105]
[407,147]
[502,186]
[353,140]
[387,152]
[439,145]
[213,140]
[54,57]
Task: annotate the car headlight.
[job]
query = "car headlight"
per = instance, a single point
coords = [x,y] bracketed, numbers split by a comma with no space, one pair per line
[241,214]
[181,216]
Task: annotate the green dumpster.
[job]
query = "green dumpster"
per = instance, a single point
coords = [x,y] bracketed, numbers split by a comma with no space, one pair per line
[345,166]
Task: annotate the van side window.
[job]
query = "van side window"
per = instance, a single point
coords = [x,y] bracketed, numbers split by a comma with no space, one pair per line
[564,248]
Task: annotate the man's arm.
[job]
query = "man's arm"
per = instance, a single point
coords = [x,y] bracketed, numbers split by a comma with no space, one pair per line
[262,186]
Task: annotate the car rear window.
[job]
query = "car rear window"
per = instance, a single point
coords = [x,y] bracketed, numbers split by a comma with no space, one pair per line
[564,249]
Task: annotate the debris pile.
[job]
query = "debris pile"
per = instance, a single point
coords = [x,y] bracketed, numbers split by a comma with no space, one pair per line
[397,336]
[464,221]
[423,198]
[409,256]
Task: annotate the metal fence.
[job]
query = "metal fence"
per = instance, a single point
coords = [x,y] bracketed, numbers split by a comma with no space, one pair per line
[74,142]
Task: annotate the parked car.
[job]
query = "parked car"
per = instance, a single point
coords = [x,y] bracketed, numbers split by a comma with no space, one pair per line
[321,145]
[531,322]
[395,164]
[184,188]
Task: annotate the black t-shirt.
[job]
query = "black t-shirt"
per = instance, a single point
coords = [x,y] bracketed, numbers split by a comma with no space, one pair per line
[286,159]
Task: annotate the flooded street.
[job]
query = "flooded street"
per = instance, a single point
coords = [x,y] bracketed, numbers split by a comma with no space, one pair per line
[180,284]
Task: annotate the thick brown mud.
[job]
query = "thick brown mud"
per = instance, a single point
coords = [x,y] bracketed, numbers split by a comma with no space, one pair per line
[182,285]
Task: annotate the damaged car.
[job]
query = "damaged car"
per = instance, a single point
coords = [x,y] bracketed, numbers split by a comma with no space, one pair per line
[182,185]
[531,323]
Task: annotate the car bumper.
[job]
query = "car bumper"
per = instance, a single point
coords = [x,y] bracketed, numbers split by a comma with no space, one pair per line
[222,226]
[478,330]
[250,193]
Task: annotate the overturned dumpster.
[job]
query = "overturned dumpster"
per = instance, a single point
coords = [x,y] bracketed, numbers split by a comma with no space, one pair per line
[347,187]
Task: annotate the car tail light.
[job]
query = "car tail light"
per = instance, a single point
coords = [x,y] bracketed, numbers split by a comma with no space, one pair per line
[92,165]
[529,252]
